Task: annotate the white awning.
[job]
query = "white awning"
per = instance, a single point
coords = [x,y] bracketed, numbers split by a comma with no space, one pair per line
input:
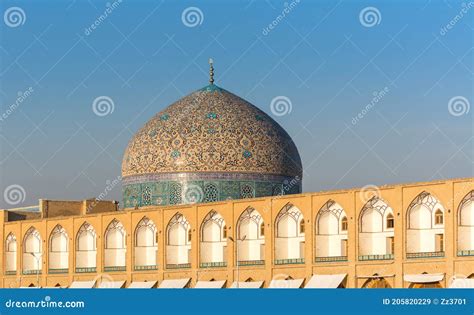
[462,283]
[174,283]
[325,281]
[111,284]
[209,284]
[82,284]
[286,284]
[424,278]
[142,284]
[248,285]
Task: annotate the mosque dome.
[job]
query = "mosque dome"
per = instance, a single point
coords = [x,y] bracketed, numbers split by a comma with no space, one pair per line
[208,146]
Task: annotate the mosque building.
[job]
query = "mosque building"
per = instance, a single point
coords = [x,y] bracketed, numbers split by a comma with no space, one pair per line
[212,198]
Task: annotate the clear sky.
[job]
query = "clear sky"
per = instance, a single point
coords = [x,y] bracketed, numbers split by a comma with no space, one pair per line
[327,58]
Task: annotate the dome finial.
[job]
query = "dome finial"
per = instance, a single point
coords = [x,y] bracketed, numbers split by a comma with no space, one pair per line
[211,71]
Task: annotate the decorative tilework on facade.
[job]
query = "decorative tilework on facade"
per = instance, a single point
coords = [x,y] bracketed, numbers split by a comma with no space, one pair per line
[214,143]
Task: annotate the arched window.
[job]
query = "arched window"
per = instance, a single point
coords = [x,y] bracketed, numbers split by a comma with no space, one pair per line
[425,236]
[146,196]
[115,247]
[289,240]
[250,237]
[213,243]
[390,221]
[344,224]
[439,217]
[246,191]
[224,232]
[465,239]
[178,242]
[58,250]
[175,193]
[331,233]
[211,193]
[145,245]
[86,249]
[10,252]
[376,234]
[32,252]
[302,226]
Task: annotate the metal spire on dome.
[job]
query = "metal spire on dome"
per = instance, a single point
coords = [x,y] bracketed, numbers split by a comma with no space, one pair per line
[211,71]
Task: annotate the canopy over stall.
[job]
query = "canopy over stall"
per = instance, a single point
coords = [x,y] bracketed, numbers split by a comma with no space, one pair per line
[325,281]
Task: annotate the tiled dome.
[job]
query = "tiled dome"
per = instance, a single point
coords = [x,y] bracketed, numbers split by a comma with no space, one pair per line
[209,135]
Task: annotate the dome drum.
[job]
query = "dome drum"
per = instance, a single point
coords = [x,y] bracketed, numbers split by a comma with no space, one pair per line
[190,189]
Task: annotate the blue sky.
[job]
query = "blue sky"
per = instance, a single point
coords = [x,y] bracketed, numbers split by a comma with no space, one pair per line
[326,57]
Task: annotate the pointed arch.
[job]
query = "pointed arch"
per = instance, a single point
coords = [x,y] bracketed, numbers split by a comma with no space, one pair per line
[376,237]
[115,247]
[289,237]
[331,232]
[376,283]
[212,227]
[86,248]
[32,251]
[466,225]
[178,242]
[145,245]
[425,238]
[11,248]
[250,238]
[213,242]
[58,258]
